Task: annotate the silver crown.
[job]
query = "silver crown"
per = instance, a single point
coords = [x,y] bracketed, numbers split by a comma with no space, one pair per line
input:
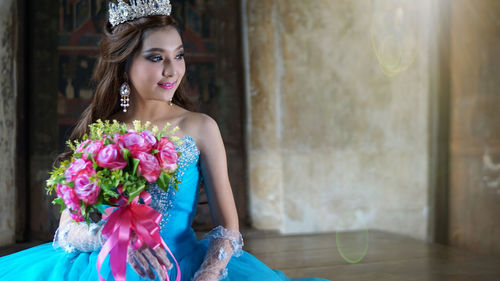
[137,9]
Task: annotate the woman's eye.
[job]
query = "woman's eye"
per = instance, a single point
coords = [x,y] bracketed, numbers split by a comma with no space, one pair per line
[180,56]
[155,58]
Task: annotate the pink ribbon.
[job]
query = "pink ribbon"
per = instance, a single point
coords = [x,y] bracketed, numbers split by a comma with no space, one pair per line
[121,220]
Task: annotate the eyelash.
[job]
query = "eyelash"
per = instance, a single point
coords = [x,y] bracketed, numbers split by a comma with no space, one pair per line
[157,58]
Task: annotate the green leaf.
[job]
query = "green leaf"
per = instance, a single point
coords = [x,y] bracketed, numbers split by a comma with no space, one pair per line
[109,190]
[59,201]
[108,141]
[70,145]
[94,164]
[126,154]
[135,163]
[83,209]
[176,183]
[135,193]
[111,193]
[161,181]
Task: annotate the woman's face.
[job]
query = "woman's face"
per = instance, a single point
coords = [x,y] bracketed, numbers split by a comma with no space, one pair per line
[158,67]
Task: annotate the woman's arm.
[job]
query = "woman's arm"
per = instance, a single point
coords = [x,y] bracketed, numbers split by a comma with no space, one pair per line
[72,236]
[213,164]
[225,239]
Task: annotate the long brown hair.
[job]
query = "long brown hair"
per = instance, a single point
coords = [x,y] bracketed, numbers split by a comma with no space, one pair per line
[117,48]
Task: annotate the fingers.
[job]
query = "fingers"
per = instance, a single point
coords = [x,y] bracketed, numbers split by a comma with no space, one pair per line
[135,264]
[153,261]
[144,262]
[162,256]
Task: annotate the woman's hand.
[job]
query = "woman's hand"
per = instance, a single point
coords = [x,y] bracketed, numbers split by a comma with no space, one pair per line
[145,258]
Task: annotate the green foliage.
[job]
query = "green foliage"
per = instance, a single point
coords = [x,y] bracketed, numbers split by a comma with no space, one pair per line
[123,129]
[108,141]
[132,194]
[99,129]
[109,182]
[59,201]
[70,145]
[57,176]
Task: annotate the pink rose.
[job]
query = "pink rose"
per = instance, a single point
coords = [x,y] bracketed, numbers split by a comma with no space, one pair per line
[116,138]
[86,190]
[167,155]
[110,157]
[148,166]
[92,148]
[69,197]
[149,137]
[78,166]
[77,217]
[82,146]
[59,190]
[135,143]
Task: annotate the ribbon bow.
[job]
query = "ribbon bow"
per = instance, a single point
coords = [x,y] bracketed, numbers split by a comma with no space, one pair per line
[120,221]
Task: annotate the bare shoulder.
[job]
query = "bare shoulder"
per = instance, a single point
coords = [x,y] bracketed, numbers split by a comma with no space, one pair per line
[203,129]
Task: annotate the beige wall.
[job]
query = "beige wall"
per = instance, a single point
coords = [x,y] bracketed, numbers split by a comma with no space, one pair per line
[7,122]
[338,124]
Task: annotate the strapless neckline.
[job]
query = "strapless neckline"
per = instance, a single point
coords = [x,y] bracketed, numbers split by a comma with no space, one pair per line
[190,138]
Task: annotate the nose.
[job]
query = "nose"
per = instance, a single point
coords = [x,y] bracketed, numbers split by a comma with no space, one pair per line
[168,69]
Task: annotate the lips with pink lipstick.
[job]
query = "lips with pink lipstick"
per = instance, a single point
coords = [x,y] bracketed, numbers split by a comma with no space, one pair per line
[167,85]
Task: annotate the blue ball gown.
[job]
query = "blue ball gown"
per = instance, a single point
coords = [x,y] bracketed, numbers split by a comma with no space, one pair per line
[46,262]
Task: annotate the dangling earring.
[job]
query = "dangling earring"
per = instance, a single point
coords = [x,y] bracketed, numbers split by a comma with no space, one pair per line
[170,102]
[125,93]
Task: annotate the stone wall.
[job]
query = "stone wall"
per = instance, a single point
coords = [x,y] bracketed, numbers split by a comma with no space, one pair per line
[7,121]
[338,127]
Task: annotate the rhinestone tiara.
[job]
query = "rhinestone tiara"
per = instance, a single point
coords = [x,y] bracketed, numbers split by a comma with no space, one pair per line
[137,9]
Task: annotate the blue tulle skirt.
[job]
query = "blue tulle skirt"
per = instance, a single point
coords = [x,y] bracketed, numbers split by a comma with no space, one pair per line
[44,262]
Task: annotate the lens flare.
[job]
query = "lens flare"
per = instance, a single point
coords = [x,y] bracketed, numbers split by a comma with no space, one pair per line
[352,246]
[395,34]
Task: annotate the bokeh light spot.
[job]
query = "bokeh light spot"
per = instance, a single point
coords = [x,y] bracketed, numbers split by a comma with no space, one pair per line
[352,246]
[395,34]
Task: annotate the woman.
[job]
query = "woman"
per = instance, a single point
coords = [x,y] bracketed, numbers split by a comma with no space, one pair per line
[140,76]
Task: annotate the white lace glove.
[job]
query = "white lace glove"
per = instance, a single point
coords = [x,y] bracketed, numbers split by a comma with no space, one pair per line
[72,237]
[223,244]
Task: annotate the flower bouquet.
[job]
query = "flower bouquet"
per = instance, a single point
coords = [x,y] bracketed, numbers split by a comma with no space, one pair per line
[109,173]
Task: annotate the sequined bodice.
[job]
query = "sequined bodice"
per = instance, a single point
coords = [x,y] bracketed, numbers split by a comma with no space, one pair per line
[178,207]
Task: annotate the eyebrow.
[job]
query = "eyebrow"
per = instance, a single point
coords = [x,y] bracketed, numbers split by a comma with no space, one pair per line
[161,50]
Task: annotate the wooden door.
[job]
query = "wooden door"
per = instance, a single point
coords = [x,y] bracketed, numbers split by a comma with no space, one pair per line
[474,211]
